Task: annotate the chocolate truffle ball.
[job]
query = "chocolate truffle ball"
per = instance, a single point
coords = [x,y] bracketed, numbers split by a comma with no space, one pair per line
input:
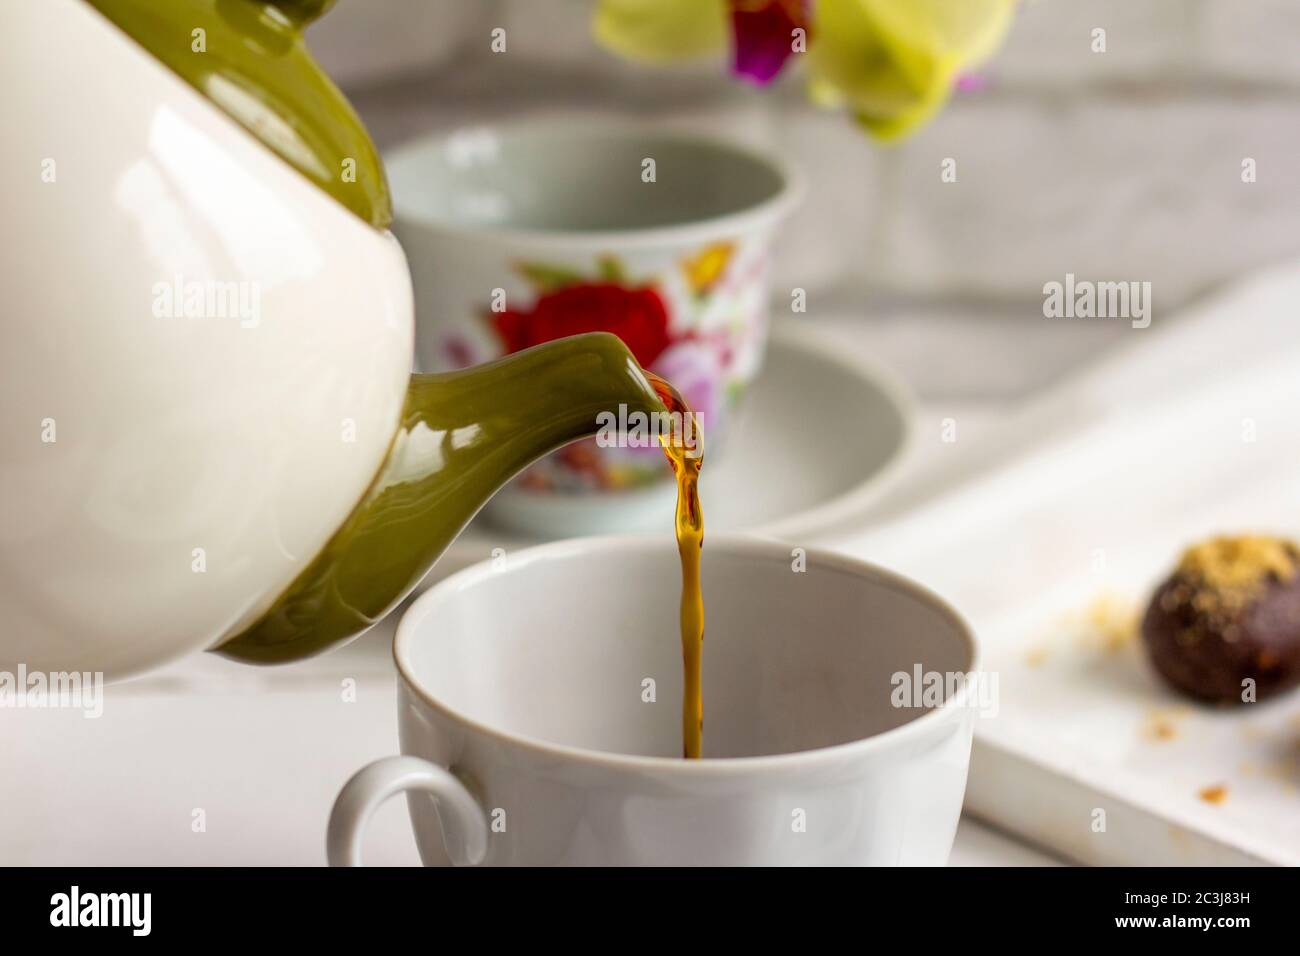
[1229,613]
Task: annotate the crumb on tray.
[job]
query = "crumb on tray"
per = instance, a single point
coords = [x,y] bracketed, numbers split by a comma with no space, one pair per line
[1215,794]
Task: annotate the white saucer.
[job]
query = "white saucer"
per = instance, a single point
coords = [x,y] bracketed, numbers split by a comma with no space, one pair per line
[818,440]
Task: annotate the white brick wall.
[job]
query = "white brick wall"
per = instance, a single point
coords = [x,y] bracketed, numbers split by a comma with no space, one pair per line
[1050,45]
[369,41]
[1117,165]
[1257,40]
[1105,188]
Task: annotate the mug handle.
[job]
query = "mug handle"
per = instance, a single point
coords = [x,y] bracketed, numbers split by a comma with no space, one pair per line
[464,825]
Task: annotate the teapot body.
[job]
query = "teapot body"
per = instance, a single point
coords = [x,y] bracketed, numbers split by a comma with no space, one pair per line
[205,362]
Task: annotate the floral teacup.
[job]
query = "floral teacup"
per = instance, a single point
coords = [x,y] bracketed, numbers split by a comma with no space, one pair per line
[521,234]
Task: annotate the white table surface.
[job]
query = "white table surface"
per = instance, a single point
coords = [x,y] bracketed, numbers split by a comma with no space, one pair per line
[261,752]
[258,754]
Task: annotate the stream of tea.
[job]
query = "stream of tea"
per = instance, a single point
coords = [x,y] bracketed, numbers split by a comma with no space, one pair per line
[684,449]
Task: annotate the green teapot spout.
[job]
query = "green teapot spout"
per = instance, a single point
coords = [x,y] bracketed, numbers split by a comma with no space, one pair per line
[462,436]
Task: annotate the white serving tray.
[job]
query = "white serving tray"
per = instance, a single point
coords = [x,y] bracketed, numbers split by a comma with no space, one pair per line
[1091,494]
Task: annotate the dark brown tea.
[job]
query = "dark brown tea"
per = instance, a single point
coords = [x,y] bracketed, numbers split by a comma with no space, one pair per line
[685,452]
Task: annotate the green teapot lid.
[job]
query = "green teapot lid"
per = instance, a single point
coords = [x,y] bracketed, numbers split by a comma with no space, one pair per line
[249,58]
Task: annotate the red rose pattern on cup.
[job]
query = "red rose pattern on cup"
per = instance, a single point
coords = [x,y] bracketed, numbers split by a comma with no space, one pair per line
[659,315]
[637,316]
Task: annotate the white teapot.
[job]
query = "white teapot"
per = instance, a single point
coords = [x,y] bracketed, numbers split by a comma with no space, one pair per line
[212,439]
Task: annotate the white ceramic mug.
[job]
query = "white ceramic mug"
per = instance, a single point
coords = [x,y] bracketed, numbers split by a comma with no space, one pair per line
[540,714]
[524,232]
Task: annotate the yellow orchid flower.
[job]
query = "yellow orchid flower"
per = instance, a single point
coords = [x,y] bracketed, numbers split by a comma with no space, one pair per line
[892,63]
[660,31]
